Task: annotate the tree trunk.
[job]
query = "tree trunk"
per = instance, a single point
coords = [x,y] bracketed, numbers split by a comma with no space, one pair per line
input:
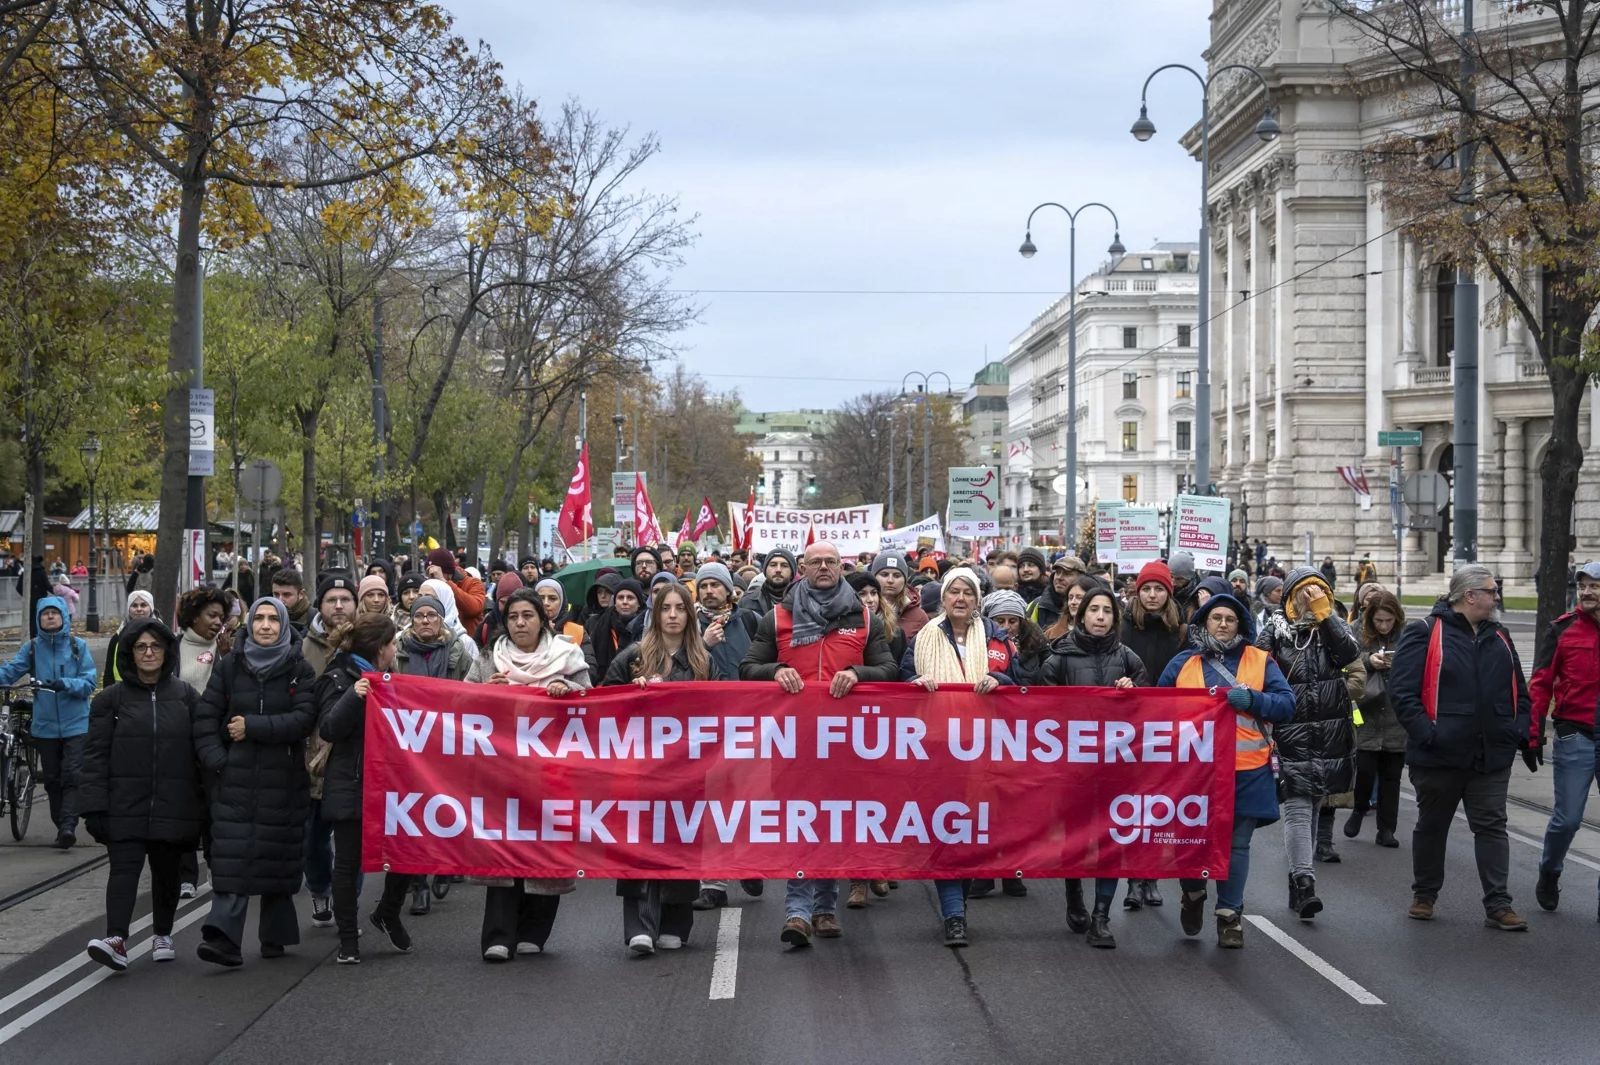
[33,479]
[1558,472]
[310,539]
[181,343]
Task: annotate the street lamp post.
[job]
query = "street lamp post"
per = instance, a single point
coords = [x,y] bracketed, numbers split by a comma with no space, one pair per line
[1027,251]
[925,391]
[1143,129]
[89,451]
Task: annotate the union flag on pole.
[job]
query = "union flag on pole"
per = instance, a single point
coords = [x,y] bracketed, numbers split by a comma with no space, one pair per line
[686,530]
[750,519]
[647,529]
[576,517]
[705,521]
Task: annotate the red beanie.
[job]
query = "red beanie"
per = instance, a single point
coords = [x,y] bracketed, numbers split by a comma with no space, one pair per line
[507,584]
[1154,571]
[441,557]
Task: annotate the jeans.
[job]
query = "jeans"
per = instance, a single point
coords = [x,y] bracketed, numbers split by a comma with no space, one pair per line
[347,884]
[1439,792]
[278,923]
[1382,769]
[807,898]
[1574,760]
[952,898]
[122,885]
[1300,832]
[1230,893]
[59,764]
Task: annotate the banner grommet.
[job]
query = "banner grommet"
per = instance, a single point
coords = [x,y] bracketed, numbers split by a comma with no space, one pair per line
[386,677]
[1205,874]
[386,867]
[1018,874]
[800,874]
[580,874]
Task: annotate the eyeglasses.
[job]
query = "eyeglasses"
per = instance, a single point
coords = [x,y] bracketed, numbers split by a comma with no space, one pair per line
[146,648]
[1489,591]
[824,563]
[1222,619]
[424,615]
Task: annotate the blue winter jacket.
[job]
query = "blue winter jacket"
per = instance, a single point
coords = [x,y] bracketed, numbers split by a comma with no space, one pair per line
[1255,792]
[56,656]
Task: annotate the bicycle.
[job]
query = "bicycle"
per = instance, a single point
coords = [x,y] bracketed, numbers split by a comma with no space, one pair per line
[19,761]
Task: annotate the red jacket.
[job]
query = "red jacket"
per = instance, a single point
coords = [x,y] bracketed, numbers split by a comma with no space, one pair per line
[1567,674]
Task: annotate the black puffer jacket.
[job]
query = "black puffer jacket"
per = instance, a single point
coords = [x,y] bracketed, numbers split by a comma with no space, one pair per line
[1155,644]
[1085,661]
[342,721]
[1317,748]
[139,768]
[260,794]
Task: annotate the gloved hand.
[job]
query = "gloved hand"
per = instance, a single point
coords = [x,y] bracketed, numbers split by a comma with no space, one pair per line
[1319,603]
[53,686]
[1533,756]
[96,824]
[1241,698]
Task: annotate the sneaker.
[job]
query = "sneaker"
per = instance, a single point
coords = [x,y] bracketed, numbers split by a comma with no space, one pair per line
[1506,920]
[529,948]
[955,931]
[110,952]
[710,899]
[1192,912]
[219,952]
[185,891]
[1230,930]
[1548,890]
[161,949]
[665,942]
[272,950]
[321,912]
[1014,888]
[796,932]
[391,927]
[641,945]
[827,926]
[1352,824]
[352,956]
[1421,908]
[858,895]
[497,953]
[753,888]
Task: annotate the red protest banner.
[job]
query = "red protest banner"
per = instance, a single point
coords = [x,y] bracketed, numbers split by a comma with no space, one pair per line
[742,780]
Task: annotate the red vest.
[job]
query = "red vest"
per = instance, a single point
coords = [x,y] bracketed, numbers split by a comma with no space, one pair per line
[838,649]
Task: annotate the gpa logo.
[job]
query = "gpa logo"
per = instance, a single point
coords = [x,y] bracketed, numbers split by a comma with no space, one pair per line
[1134,816]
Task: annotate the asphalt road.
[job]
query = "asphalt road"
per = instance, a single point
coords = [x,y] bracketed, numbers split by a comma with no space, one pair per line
[1363,983]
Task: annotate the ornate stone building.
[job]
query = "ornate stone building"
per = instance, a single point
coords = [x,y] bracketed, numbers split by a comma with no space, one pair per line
[1331,325]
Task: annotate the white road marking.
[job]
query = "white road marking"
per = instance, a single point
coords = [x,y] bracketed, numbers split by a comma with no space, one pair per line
[67,994]
[1315,962]
[60,972]
[1536,844]
[725,969]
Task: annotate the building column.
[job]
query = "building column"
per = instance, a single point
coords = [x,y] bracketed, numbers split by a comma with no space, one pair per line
[1517,552]
[1410,295]
[1253,333]
[1491,489]
[1230,341]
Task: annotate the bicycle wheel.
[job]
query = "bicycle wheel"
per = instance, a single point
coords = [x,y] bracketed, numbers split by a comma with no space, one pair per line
[440,887]
[20,793]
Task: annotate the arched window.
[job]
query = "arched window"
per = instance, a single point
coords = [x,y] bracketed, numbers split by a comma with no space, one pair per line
[1444,315]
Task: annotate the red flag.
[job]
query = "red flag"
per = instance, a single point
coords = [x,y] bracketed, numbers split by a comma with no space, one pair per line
[811,536]
[576,518]
[686,530]
[706,521]
[735,528]
[647,530]
[750,519]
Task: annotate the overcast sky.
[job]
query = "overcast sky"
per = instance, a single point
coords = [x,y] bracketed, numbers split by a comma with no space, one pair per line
[870,145]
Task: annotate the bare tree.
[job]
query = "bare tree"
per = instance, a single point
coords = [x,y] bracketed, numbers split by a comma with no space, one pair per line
[1527,214]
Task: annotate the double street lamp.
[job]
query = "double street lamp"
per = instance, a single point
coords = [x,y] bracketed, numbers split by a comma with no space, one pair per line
[89,451]
[1070,530]
[1143,129]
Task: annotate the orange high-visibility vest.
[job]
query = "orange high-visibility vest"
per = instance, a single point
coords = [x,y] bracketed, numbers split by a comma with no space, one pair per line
[1251,748]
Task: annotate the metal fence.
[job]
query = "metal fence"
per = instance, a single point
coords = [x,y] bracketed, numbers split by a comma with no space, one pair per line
[109,594]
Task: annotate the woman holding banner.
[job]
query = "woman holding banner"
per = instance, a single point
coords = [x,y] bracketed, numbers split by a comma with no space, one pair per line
[1220,656]
[960,648]
[1092,654]
[660,913]
[518,914]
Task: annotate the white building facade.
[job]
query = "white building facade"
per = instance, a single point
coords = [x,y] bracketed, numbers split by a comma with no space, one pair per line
[1136,319]
[1331,324]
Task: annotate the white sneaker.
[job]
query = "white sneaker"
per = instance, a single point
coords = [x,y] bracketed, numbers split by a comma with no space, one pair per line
[641,945]
[669,942]
[185,891]
[497,953]
[109,952]
[527,948]
[161,949]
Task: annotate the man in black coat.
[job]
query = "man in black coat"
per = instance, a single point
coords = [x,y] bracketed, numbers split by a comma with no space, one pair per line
[1458,690]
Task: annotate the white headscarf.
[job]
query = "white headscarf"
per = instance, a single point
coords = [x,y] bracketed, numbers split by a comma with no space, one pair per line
[440,590]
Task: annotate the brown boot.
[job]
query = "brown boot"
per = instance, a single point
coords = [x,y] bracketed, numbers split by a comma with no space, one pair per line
[1506,920]
[858,895]
[880,888]
[1421,909]
[828,926]
[797,932]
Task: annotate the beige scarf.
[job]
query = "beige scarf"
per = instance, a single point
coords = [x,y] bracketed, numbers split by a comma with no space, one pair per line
[936,657]
[554,659]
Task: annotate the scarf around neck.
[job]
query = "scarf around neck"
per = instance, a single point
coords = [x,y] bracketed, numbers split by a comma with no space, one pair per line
[814,608]
[1210,645]
[552,660]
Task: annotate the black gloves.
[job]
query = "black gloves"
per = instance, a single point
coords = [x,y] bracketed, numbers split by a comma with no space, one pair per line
[96,824]
[1533,756]
[53,686]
